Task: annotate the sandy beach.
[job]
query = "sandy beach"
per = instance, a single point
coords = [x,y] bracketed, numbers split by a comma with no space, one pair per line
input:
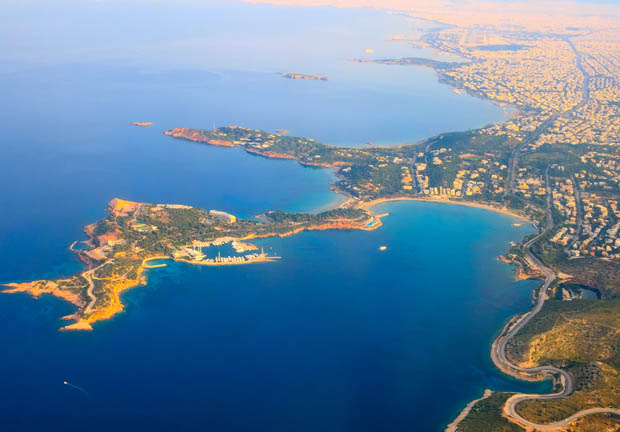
[367,205]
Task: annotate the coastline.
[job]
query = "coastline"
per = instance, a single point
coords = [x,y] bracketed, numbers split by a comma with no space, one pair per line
[367,205]
[453,427]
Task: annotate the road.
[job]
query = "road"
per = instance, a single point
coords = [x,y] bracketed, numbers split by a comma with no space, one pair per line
[585,97]
[91,285]
[549,201]
[418,188]
[89,276]
[498,349]
[579,214]
[555,425]
[513,162]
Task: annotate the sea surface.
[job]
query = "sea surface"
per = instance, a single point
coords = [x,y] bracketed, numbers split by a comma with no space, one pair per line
[336,336]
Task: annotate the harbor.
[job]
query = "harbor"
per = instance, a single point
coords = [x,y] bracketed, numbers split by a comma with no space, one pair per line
[234,253]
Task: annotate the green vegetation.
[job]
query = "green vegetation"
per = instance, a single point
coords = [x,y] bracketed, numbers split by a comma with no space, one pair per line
[280,216]
[602,276]
[595,423]
[582,337]
[486,416]
[103,227]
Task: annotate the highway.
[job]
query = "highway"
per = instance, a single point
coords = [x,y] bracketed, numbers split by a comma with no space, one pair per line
[513,163]
[579,214]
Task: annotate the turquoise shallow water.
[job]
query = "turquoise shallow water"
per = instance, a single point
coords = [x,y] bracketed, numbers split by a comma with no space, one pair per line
[336,336]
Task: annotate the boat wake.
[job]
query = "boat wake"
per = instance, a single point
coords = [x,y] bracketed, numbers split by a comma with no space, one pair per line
[77,388]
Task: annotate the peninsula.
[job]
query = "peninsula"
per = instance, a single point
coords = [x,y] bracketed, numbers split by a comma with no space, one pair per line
[133,234]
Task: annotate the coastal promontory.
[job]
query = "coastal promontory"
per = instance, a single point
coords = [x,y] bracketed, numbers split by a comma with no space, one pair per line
[121,246]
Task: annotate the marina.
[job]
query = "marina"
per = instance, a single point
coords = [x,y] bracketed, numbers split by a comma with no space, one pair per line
[204,253]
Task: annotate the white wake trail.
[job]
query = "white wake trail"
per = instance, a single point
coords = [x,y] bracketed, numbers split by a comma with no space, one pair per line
[77,388]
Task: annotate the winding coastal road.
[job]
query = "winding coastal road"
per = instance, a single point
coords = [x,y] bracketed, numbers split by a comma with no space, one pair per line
[89,275]
[91,285]
[500,359]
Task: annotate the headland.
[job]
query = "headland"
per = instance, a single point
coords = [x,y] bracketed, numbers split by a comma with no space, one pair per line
[133,234]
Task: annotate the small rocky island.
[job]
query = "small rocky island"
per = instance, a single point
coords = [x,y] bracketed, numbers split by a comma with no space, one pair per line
[305,77]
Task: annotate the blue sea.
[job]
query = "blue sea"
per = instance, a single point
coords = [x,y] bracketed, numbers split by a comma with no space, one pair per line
[337,336]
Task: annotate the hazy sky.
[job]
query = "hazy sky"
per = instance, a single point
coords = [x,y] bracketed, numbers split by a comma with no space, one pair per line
[204,34]
[168,31]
